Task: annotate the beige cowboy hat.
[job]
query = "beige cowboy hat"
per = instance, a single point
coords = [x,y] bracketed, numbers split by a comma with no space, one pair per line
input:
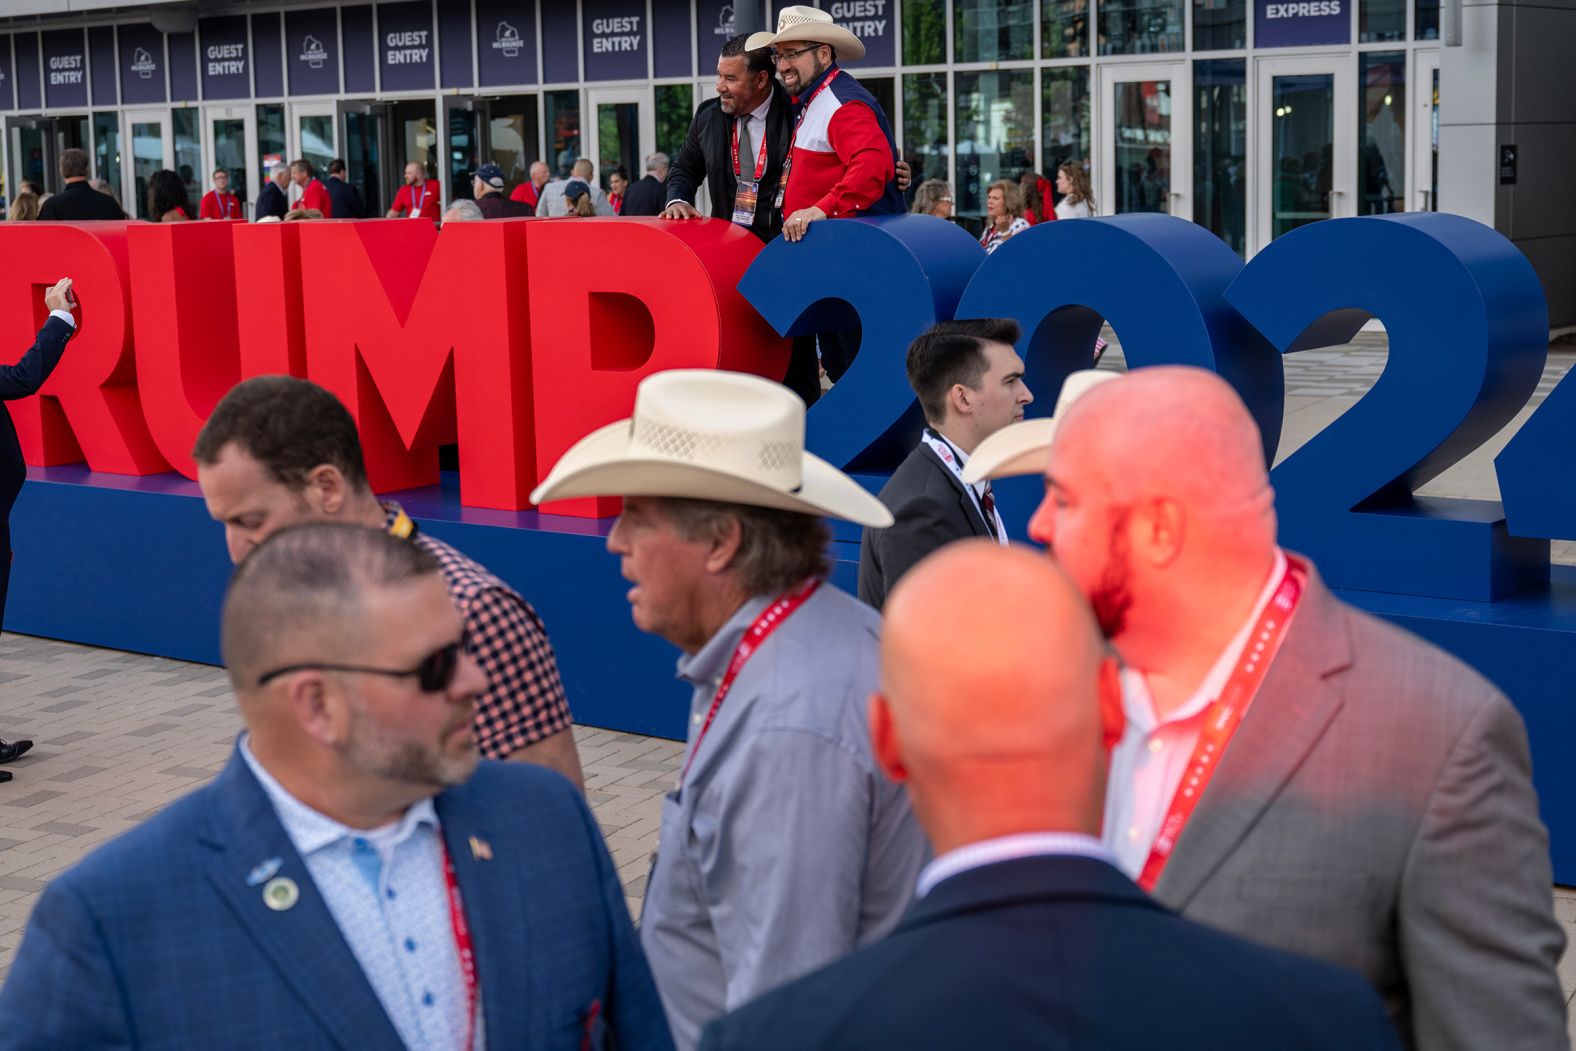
[711,435]
[1021,448]
[810,26]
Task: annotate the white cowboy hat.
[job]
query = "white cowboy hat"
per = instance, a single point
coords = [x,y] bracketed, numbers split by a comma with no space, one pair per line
[1021,448]
[711,435]
[810,26]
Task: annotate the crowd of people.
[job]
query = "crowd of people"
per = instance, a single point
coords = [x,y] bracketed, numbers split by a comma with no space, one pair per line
[1155,786]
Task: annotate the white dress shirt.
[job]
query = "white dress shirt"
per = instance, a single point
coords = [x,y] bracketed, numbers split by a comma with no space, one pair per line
[1148,763]
[386,890]
[1010,848]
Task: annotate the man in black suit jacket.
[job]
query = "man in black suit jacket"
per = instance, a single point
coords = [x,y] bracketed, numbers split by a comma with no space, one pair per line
[1025,933]
[649,196]
[78,200]
[272,200]
[345,198]
[969,381]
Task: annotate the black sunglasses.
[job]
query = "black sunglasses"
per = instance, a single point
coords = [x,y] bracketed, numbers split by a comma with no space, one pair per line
[433,674]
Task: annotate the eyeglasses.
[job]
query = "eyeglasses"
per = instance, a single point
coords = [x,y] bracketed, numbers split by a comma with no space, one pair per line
[778,56]
[434,674]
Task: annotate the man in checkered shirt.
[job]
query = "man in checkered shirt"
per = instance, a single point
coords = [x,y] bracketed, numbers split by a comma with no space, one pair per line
[278,451]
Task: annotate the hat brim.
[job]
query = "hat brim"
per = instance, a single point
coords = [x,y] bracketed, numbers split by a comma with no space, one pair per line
[848,47]
[1017,449]
[603,464]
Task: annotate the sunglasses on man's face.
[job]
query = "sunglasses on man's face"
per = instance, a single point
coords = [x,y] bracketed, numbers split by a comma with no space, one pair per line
[433,675]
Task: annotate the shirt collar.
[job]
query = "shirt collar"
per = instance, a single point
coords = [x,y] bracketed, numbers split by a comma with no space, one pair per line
[706,666]
[804,96]
[1136,701]
[1010,848]
[311,831]
[759,112]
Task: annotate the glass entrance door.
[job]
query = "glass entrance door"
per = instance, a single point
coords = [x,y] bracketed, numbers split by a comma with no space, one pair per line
[28,146]
[512,138]
[151,150]
[365,139]
[1425,134]
[1306,131]
[620,131]
[1146,151]
[230,138]
[312,138]
[464,124]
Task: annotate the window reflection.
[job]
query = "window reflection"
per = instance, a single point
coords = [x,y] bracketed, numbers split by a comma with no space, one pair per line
[1143,146]
[993,30]
[995,128]
[1140,27]
[1381,161]
[563,130]
[1379,20]
[1065,109]
[1220,130]
[1064,28]
[924,32]
[925,125]
[1220,25]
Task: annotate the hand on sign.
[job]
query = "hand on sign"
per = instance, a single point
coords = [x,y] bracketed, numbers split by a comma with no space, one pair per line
[58,296]
[795,225]
[905,176]
[680,210]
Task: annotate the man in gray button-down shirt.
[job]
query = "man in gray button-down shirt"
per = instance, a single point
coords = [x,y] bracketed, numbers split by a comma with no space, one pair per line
[784,848]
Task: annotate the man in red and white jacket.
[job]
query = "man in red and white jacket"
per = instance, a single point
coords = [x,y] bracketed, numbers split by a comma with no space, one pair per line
[313,193]
[843,158]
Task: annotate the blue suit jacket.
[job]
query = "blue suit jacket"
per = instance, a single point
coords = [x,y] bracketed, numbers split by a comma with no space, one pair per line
[157,940]
[1060,952]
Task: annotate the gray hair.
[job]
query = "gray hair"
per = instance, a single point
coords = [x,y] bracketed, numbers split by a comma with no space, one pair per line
[464,212]
[307,582]
[777,549]
[656,161]
[278,169]
[929,194]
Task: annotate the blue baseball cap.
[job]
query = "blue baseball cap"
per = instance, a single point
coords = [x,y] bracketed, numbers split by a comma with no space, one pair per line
[490,174]
[576,188]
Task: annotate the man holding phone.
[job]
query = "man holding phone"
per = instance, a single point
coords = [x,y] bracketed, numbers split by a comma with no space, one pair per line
[19,381]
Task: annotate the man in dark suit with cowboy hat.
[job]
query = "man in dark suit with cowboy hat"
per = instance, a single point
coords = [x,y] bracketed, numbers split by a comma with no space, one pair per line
[783,847]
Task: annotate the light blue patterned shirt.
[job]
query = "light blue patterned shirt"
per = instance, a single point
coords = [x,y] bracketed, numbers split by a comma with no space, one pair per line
[386,891]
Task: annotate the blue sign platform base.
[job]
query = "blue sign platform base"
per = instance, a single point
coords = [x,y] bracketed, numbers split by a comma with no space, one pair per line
[136,564]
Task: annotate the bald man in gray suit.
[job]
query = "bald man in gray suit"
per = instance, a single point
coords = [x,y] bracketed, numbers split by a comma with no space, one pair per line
[1373,807]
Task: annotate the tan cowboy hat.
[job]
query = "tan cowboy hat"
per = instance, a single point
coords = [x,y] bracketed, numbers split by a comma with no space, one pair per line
[1021,448]
[807,25]
[711,435]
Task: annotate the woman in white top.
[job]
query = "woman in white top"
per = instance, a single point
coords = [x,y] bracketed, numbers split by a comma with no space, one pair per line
[1003,214]
[1072,182]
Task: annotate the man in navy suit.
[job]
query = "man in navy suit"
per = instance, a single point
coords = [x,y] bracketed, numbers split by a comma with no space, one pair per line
[273,201]
[355,877]
[1025,933]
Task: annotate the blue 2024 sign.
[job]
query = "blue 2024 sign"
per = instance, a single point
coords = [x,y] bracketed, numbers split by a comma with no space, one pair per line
[1466,317]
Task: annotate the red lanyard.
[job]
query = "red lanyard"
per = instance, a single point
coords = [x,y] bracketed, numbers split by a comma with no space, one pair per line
[788,160]
[760,160]
[462,942]
[772,616]
[1225,715]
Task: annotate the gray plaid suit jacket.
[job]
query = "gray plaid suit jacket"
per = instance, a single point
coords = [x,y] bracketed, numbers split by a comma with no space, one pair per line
[1376,809]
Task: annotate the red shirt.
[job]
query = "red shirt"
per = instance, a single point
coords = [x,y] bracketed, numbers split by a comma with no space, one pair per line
[616,202]
[422,200]
[315,195]
[526,192]
[216,205]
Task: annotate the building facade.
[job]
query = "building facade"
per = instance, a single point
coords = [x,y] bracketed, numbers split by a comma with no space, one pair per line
[1249,117]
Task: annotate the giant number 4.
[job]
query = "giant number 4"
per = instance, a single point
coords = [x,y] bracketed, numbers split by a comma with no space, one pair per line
[1467,346]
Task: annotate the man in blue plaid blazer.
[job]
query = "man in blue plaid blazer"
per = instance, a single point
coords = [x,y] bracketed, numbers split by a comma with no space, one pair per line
[356,877]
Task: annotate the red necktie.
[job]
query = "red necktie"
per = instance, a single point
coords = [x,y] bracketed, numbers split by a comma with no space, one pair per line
[988,505]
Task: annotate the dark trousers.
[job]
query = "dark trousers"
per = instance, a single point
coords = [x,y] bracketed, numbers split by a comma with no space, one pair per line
[804,372]
[837,352]
[5,567]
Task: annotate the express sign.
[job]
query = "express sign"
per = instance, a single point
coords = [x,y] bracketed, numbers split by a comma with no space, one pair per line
[1467,345]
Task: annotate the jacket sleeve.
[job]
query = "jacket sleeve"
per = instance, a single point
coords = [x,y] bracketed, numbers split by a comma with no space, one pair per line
[1478,936]
[62,990]
[921,526]
[25,377]
[688,169]
[868,164]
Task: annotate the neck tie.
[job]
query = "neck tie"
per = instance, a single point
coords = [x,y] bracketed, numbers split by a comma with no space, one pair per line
[988,505]
[746,155]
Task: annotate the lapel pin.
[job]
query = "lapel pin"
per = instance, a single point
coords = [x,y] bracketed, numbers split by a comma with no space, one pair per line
[281,893]
[261,873]
[481,850]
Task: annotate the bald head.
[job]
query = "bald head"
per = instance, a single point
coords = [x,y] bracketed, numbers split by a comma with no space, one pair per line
[300,596]
[995,714]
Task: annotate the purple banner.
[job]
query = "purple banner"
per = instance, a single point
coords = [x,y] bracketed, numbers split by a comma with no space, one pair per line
[670,39]
[871,22]
[226,71]
[506,41]
[1298,23]
[101,59]
[715,24]
[360,66]
[65,68]
[29,95]
[7,75]
[616,39]
[454,46]
[141,64]
[183,67]
[312,51]
[405,46]
[268,71]
[560,44]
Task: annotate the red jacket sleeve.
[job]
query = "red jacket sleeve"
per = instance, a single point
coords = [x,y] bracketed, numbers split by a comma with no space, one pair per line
[867,160]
